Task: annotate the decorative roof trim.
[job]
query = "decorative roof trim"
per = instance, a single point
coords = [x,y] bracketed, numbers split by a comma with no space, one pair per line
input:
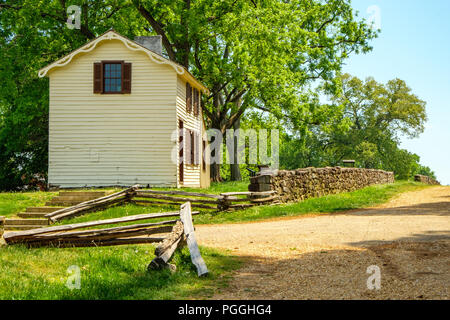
[131,45]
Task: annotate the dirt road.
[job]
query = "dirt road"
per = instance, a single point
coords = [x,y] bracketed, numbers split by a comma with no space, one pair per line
[326,257]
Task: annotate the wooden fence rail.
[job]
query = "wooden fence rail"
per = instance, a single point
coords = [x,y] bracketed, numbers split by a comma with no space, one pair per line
[63,235]
[223,201]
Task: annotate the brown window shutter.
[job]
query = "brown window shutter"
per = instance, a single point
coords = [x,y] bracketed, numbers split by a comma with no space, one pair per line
[197,149]
[196,102]
[203,155]
[126,77]
[188,97]
[192,160]
[98,77]
[181,151]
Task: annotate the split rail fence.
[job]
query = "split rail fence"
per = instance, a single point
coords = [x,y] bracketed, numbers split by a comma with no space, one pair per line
[178,232]
[218,202]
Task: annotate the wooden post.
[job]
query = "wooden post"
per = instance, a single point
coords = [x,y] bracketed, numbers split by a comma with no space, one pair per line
[197,260]
[166,249]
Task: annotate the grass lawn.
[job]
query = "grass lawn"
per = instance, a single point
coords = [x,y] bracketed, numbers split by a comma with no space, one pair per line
[14,202]
[120,272]
[108,273]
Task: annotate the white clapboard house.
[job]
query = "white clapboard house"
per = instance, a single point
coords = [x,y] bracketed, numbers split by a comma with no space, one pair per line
[116,107]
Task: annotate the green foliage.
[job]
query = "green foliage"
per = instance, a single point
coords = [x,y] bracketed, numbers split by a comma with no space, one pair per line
[425,171]
[364,122]
[250,54]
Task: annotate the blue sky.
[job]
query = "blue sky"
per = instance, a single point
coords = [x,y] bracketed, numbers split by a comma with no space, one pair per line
[414,45]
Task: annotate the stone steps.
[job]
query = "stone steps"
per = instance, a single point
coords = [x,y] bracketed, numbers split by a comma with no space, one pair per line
[34,217]
[33,222]
[31,215]
[42,209]
[65,203]
[20,227]
[74,198]
[96,194]
[71,198]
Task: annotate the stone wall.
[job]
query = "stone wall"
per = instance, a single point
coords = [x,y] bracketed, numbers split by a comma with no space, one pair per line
[306,183]
[425,179]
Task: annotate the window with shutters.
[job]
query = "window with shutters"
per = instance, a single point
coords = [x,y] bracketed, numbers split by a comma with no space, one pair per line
[112,77]
[181,150]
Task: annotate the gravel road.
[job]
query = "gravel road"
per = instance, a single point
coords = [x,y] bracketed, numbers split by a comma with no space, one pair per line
[327,256]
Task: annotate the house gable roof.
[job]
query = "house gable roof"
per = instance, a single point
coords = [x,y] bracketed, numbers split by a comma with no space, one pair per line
[131,45]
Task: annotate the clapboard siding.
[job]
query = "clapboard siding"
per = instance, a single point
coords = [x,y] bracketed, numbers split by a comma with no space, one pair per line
[115,139]
[191,172]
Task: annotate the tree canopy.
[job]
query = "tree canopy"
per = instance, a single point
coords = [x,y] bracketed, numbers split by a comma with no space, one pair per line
[252,55]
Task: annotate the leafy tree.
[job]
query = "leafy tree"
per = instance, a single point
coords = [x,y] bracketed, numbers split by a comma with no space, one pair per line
[249,53]
[364,122]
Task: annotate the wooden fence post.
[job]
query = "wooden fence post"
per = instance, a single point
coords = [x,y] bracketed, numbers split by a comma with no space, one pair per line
[197,260]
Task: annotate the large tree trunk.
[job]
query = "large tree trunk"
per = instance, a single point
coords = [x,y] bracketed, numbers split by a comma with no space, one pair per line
[234,167]
[215,172]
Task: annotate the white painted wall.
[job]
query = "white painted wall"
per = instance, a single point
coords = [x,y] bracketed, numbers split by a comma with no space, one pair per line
[115,139]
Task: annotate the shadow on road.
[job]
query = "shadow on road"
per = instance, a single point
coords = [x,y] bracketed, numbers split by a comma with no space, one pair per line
[409,270]
[433,208]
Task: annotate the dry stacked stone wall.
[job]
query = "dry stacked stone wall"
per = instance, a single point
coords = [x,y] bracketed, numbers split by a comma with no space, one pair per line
[300,184]
[425,179]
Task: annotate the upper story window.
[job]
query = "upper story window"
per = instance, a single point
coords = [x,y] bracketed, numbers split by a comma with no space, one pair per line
[112,77]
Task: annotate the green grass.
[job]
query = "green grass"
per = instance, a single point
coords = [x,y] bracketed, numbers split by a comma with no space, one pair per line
[14,202]
[120,272]
[362,198]
[108,273]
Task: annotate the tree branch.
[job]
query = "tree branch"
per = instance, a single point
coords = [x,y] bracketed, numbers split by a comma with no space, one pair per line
[157,28]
